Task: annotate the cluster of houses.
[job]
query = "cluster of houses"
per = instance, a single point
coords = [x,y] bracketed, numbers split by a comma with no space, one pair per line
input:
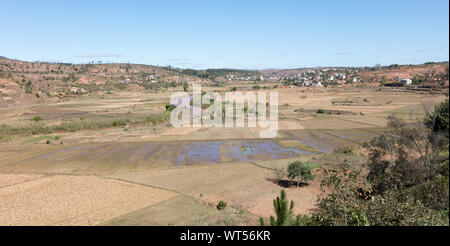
[90,81]
[78,90]
[313,77]
[231,77]
[405,81]
[318,78]
[152,78]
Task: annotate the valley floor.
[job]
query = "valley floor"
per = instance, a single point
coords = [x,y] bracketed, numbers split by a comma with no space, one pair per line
[159,175]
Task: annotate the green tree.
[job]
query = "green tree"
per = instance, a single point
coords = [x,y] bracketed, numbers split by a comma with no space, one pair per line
[284,213]
[300,171]
[338,203]
[438,121]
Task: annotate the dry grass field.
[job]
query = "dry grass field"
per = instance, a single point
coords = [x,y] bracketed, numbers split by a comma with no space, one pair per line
[71,200]
[145,172]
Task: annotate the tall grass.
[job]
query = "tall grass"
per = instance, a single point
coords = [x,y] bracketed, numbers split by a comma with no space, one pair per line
[73,126]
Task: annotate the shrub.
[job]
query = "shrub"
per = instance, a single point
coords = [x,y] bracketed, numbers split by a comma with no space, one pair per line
[320,111]
[221,205]
[279,174]
[391,211]
[120,122]
[37,118]
[344,150]
[300,171]
[170,107]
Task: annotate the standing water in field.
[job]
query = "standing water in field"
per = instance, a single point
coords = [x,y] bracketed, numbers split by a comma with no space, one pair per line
[178,153]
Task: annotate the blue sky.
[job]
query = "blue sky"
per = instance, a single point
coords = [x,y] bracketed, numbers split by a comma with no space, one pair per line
[232,33]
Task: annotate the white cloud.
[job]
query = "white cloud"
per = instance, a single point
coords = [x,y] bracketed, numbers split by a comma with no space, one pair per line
[422,49]
[440,48]
[344,53]
[377,51]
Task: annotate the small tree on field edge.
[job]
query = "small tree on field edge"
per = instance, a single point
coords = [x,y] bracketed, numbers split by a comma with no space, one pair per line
[284,213]
[300,171]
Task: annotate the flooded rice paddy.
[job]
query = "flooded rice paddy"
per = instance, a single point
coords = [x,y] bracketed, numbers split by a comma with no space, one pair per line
[179,153]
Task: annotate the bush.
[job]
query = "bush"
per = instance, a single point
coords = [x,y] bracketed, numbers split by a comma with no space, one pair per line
[221,205]
[120,122]
[279,174]
[37,118]
[391,211]
[344,150]
[300,171]
[320,111]
[170,107]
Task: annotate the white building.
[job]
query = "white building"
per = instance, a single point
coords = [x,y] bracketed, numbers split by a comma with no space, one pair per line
[78,90]
[405,81]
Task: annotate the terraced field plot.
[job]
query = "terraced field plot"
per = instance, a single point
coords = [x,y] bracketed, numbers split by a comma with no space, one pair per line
[106,157]
[71,200]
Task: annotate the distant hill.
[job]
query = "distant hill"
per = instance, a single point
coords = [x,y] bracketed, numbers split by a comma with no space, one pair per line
[12,95]
[43,80]
[426,73]
[24,82]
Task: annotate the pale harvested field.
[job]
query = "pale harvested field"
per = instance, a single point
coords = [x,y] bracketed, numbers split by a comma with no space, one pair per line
[180,131]
[198,180]
[241,185]
[131,105]
[184,210]
[12,179]
[73,200]
[377,101]
[288,125]
[258,198]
